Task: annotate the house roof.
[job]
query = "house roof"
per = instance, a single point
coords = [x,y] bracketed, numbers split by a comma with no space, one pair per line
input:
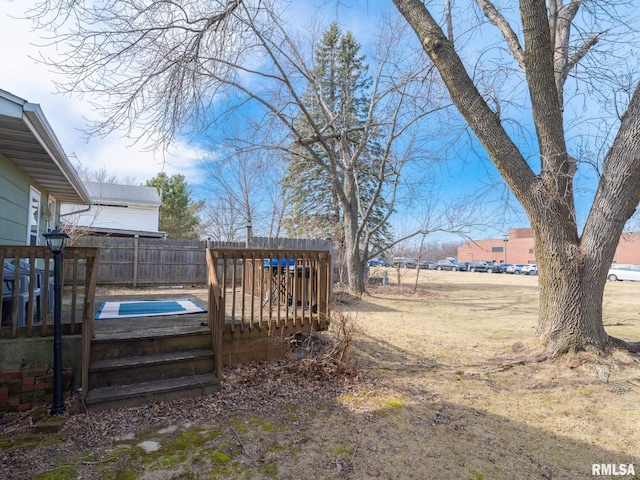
[111,193]
[27,139]
[121,232]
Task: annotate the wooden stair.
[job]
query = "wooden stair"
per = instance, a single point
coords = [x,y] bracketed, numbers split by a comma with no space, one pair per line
[128,370]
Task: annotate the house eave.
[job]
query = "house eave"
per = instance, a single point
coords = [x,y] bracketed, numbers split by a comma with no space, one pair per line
[27,140]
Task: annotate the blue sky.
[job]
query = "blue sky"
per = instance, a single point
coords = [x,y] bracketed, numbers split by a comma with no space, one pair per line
[468,170]
[134,163]
[31,81]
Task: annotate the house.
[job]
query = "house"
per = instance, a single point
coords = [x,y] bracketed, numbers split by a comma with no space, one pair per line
[116,210]
[35,174]
[36,177]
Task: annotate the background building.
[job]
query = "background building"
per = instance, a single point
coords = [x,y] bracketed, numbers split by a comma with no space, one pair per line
[518,247]
[116,210]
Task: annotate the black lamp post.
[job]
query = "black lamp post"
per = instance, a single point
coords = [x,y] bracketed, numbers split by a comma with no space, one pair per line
[56,241]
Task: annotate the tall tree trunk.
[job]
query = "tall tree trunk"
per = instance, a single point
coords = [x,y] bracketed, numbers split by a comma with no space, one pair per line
[353,257]
[571,285]
[355,270]
[572,268]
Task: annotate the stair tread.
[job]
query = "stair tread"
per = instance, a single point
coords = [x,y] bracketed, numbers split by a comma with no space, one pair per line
[151,333]
[145,389]
[151,359]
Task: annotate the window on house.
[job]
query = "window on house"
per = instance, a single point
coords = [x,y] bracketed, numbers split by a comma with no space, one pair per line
[51,213]
[33,220]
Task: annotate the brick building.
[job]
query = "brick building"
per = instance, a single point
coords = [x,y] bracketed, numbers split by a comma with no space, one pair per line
[517,247]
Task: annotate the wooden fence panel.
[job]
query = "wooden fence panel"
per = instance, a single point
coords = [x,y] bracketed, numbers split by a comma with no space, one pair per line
[129,261]
[116,265]
[171,261]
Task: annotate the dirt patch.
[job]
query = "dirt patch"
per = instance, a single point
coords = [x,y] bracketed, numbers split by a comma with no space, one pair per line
[444,385]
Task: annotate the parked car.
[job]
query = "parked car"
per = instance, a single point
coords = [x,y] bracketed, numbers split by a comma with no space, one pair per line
[451,265]
[501,267]
[482,266]
[427,265]
[410,263]
[530,269]
[516,268]
[623,271]
[376,262]
[405,262]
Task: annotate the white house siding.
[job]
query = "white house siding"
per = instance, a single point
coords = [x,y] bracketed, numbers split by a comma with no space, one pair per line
[132,217]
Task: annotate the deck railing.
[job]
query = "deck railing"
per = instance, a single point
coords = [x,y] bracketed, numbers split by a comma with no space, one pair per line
[27,290]
[27,294]
[270,289]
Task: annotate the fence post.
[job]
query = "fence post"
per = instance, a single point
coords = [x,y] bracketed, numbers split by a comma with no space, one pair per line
[136,241]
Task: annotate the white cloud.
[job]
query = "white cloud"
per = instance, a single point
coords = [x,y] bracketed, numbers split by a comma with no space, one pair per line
[130,163]
[34,82]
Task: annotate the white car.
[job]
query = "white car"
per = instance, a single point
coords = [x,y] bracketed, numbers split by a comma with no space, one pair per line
[530,269]
[515,269]
[623,271]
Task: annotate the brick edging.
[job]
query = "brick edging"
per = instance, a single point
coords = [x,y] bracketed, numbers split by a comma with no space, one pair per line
[30,387]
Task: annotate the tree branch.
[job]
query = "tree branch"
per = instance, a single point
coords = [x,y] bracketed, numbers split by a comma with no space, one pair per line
[495,17]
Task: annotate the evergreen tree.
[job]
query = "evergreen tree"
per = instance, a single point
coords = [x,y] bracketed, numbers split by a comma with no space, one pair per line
[337,101]
[178,213]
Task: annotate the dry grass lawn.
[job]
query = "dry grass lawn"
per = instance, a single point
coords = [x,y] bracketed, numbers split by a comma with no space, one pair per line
[443,392]
[449,349]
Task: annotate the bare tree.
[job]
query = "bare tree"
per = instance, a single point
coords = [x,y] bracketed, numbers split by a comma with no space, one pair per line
[177,69]
[244,190]
[223,221]
[102,176]
[546,49]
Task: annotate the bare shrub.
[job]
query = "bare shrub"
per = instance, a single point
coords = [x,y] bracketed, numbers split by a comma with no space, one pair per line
[326,356]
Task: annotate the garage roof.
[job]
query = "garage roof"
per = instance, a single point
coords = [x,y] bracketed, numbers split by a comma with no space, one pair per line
[112,193]
[27,139]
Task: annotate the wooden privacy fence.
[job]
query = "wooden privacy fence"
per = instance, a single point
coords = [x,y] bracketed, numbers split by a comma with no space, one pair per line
[269,289]
[135,261]
[148,261]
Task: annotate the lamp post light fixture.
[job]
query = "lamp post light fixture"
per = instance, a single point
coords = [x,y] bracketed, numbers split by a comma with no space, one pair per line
[56,241]
[505,240]
[249,233]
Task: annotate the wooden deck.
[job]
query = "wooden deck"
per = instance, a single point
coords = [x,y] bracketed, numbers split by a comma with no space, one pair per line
[141,326]
[144,326]
[163,357]
[253,299]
